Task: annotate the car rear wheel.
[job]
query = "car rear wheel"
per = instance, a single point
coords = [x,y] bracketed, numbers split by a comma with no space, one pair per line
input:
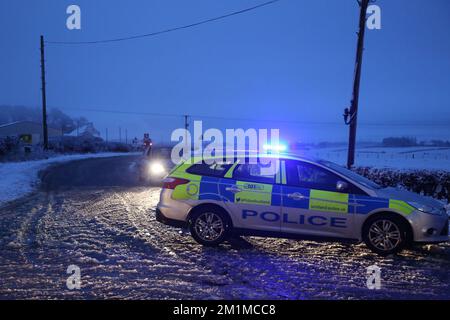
[210,226]
[385,235]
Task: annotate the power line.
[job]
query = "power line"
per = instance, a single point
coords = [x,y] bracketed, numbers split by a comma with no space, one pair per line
[198,116]
[167,30]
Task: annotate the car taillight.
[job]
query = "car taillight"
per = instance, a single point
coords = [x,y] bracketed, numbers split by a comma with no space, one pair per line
[171,183]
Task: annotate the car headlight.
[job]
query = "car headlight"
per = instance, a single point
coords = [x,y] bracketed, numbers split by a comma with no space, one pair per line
[157,169]
[427,209]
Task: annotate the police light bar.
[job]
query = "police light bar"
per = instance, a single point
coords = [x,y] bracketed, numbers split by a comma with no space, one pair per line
[275,147]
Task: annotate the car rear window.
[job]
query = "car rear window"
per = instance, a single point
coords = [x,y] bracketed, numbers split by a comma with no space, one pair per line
[204,169]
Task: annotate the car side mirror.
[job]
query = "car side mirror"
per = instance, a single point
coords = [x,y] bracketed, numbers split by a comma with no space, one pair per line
[341,186]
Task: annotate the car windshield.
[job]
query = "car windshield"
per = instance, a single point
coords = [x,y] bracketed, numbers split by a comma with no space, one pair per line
[352,175]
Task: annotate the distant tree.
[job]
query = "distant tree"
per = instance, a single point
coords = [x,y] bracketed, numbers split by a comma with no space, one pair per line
[400,142]
[55,117]
[10,114]
[81,121]
[440,143]
[58,119]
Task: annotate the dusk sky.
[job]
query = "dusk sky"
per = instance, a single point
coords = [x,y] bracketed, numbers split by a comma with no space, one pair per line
[292,60]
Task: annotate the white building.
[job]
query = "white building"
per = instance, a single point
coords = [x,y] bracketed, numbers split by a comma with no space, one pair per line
[87,131]
[28,131]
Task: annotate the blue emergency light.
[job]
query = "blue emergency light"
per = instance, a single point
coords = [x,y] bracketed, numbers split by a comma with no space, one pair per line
[275,147]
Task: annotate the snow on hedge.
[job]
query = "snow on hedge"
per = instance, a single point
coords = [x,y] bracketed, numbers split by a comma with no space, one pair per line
[433,183]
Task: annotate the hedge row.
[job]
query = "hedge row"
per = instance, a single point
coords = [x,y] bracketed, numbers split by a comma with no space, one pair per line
[427,182]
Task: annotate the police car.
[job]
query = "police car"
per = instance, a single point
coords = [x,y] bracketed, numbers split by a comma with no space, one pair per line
[290,196]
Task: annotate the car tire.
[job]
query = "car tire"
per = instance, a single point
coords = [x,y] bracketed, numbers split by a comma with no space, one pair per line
[210,226]
[385,234]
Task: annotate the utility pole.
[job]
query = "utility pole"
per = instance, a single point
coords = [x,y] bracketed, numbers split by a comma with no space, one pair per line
[350,116]
[44,98]
[126,136]
[120,134]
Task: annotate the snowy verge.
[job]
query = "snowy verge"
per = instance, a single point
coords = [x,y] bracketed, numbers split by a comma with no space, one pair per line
[20,178]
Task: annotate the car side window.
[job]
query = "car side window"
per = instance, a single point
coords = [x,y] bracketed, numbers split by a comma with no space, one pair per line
[262,171]
[310,176]
[213,170]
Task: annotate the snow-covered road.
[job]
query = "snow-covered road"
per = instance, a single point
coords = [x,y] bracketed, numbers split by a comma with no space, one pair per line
[106,225]
[20,178]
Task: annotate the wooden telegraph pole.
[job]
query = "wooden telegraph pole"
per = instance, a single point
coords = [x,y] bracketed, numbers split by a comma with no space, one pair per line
[352,114]
[44,98]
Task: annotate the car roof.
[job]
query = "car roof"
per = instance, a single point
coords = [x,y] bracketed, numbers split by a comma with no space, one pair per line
[255,154]
[289,156]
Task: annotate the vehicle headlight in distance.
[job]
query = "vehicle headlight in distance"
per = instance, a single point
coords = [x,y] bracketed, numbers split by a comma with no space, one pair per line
[427,209]
[157,169]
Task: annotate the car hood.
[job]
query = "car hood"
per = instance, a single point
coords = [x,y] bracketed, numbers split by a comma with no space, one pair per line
[408,196]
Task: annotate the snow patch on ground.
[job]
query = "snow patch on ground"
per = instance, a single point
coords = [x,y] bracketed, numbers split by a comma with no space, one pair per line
[20,178]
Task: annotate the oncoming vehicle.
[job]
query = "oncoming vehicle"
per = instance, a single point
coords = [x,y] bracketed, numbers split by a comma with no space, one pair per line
[290,196]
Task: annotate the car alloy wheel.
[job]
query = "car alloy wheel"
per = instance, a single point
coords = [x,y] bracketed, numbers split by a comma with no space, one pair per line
[384,235]
[209,226]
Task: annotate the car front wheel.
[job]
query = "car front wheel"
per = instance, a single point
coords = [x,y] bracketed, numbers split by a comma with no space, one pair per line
[385,235]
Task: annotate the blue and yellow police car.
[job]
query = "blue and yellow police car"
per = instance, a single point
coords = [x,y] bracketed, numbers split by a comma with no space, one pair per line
[292,196]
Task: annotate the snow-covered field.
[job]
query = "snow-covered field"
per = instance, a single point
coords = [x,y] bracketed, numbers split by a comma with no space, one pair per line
[430,158]
[19,178]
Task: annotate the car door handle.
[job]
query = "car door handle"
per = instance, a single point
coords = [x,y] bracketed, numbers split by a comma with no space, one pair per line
[233,189]
[296,196]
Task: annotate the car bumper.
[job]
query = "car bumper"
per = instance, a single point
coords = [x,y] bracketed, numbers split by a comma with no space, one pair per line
[430,229]
[171,212]
[160,217]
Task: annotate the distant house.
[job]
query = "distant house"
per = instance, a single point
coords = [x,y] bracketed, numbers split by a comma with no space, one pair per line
[28,131]
[87,131]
